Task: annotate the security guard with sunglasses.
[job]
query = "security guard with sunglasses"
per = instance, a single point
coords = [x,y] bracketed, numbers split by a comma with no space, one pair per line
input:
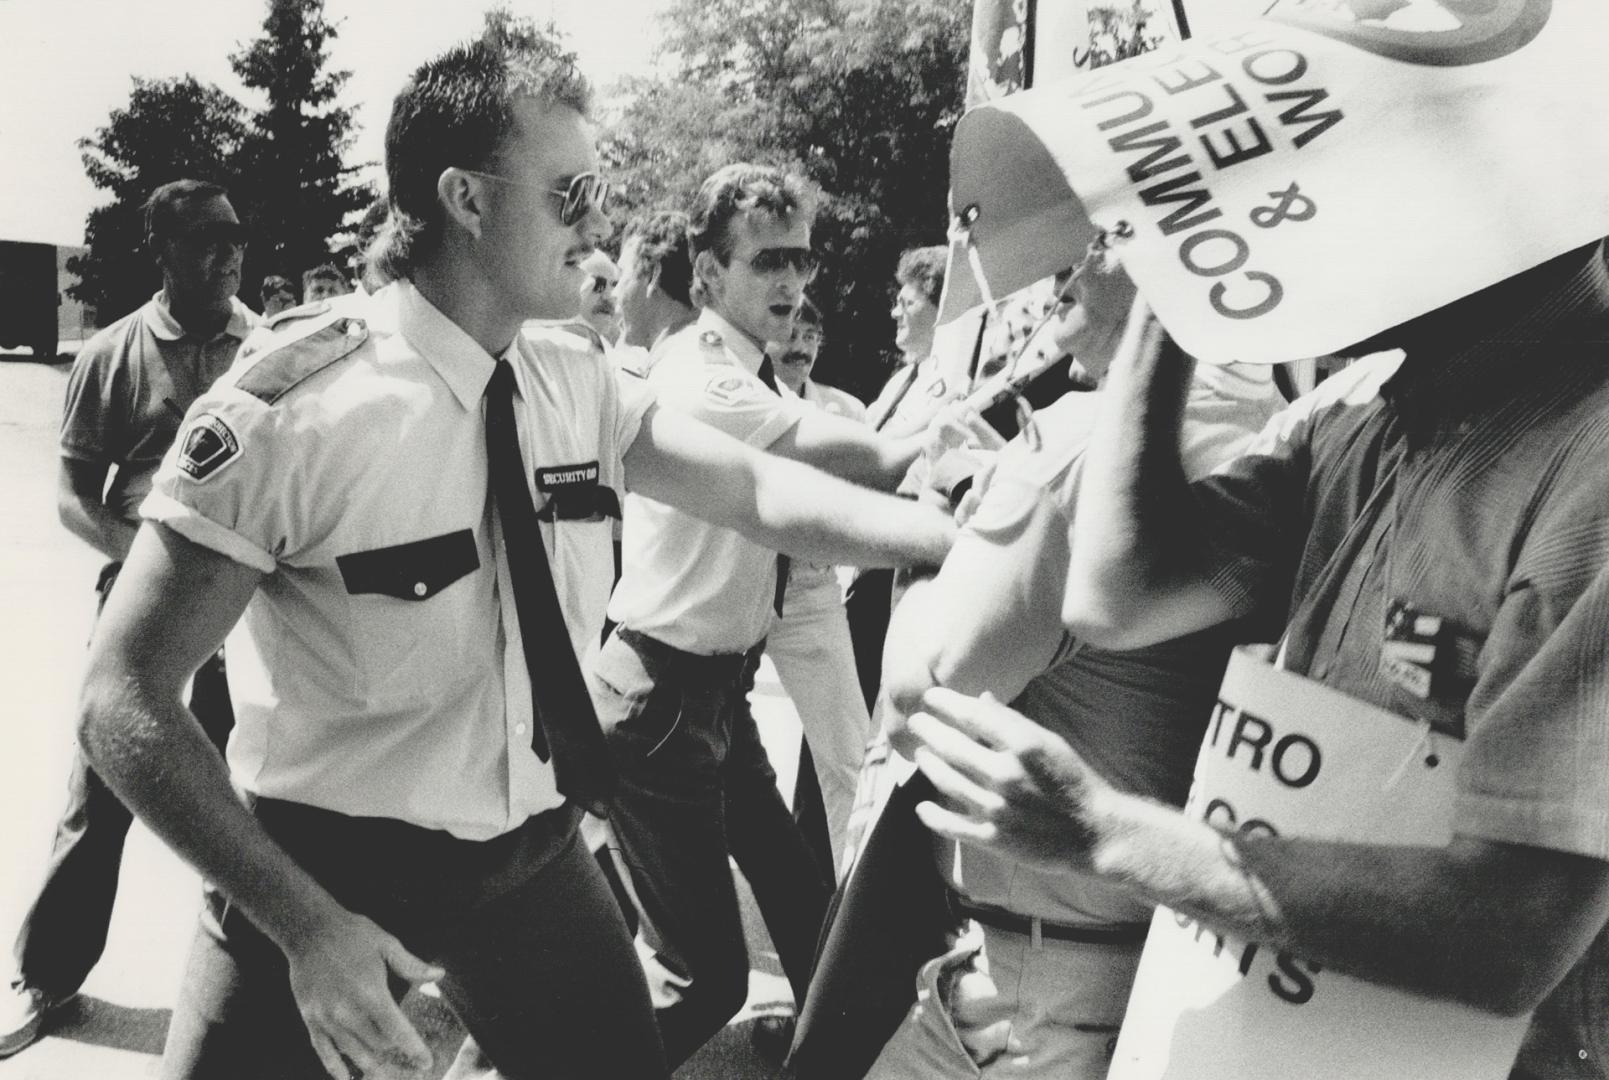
[127,394]
[692,610]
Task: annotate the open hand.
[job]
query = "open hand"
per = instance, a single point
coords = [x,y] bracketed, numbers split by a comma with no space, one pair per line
[340,978]
[1007,783]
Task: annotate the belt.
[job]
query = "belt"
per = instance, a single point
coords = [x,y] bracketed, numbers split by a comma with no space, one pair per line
[710,668]
[1036,928]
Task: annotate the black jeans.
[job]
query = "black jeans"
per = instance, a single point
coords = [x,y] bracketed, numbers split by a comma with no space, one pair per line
[540,967]
[64,933]
[695,785]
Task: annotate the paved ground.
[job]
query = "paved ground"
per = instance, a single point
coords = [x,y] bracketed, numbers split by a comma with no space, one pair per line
[116,1030]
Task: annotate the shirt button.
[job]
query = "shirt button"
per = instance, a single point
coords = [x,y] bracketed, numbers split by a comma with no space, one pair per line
[420,588]
[519,729]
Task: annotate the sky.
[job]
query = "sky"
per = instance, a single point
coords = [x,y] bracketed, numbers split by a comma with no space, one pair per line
[66,64]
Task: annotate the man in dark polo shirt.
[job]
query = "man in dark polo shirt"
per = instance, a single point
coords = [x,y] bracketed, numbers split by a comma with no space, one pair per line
[128,391]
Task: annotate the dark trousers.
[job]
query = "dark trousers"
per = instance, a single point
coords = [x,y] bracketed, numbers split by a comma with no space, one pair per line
[695,785]
[64,933]
[540,967]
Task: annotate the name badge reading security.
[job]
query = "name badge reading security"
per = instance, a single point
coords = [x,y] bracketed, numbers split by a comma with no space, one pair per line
[208,445]
[567,477]
[573,494]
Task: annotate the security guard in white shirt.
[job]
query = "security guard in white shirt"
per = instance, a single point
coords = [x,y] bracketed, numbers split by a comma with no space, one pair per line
[692,609]
[394,496]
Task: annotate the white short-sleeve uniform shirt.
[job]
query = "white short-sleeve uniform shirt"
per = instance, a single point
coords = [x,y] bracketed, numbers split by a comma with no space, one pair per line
[378,669]
[699,587]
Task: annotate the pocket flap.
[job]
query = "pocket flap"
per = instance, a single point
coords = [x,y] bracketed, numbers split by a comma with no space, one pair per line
[416,570]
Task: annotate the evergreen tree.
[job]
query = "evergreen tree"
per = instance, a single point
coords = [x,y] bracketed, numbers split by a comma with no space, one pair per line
[295,192]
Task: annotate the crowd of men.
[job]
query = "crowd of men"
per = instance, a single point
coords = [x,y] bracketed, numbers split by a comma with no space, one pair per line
[498,542]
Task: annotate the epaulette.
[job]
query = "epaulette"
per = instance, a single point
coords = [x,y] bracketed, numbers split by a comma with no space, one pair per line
[285,364]
[300,311]
[634,362]
[584,332]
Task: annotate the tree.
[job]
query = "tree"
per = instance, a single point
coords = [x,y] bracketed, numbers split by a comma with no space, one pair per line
[170,129]
[281,164]
[295,190]
[859,95]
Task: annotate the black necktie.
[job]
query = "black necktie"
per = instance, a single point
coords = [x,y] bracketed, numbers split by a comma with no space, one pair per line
[768,375]
[899,396]
[564,717]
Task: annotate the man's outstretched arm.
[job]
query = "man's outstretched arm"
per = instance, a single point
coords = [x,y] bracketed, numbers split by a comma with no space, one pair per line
[1490,924]
[778,503]
[174,604]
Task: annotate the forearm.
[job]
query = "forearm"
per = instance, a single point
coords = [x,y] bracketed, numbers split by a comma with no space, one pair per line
[1494,926]
[1137,534]
[810,515]
[849,450]
[154,755]
[96,525]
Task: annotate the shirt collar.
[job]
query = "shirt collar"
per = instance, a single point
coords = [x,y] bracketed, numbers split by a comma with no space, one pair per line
[160,321]
[748,354]
[1548,331]
[463,365]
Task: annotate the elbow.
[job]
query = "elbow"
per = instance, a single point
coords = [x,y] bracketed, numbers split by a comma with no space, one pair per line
[94,710]
[1512,983]
[1525,967]
[70,512]
[904,682]
[104,702]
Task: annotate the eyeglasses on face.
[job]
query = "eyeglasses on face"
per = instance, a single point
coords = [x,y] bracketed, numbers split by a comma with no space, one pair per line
[214,234]
[586,191]
[774,260]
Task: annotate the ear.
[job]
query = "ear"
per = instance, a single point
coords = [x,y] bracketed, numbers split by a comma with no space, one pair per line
[708,269]
[461,196]
[158,249]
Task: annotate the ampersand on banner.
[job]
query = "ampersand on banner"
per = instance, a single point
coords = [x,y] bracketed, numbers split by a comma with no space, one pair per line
[1293,205]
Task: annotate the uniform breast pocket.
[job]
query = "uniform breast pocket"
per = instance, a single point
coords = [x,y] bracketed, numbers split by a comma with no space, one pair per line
[405,628]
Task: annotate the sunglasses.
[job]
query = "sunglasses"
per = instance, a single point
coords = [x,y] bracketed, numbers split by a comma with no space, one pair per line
[775,260]
[586,192]
[215,234]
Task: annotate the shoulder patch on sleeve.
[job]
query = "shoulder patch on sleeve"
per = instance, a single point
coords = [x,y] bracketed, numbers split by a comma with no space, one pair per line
[280,368]
[206,446]
[726,389]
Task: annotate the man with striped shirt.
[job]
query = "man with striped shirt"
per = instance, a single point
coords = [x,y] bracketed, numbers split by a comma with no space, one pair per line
[1465,479]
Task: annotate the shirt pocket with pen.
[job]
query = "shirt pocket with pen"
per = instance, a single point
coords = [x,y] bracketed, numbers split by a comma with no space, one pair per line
[407,617]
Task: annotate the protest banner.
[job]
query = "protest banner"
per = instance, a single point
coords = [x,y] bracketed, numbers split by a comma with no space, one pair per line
[1287,756]
[1260,181]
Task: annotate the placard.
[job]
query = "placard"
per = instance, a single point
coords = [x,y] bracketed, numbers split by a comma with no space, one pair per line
[1286,755]
[1271,177]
